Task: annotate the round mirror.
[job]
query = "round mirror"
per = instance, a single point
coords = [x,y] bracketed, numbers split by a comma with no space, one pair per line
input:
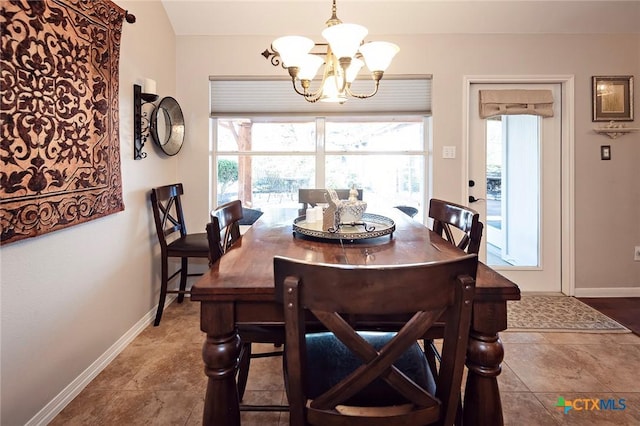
[167,126]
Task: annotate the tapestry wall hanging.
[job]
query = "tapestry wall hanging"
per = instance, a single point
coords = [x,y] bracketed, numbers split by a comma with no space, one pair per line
[60,149]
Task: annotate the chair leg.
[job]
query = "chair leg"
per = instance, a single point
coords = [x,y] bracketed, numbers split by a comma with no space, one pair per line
[243,368]
[183,278]
[431,353]
[163,290]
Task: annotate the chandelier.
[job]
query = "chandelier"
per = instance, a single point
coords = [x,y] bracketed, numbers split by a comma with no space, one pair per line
[345,55]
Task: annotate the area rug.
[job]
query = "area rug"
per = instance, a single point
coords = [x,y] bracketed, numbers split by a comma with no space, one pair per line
[558,314]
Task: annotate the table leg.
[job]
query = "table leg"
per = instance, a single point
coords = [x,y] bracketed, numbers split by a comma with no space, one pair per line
[482,405]
[220,354]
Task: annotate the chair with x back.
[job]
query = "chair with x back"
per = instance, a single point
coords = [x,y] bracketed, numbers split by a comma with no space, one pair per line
[229,216]
[448,216]
[224,231]
[174,240]
[364,377]
[460,225]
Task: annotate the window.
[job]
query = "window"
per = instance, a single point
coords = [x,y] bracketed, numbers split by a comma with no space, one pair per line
[267,143]
[263,161]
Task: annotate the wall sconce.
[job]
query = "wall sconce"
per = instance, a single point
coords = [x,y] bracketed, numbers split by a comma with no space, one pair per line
[141,121]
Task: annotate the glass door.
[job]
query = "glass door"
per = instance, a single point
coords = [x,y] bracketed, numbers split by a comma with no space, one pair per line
[515,162]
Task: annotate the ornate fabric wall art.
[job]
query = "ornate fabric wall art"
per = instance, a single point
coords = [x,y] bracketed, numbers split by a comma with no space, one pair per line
[59,148]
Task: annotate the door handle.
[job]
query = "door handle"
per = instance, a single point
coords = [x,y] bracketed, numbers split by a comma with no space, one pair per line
[473,199]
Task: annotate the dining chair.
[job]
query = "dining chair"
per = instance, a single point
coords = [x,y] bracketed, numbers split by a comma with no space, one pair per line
[448,216]
[354,376]
[223,231]
[312,197]
[174,240]
[460,225]
[229,216]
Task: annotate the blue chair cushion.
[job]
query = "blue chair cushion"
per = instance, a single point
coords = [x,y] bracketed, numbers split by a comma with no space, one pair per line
[329,361]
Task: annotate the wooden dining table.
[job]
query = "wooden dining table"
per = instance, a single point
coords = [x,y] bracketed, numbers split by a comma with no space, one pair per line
[239,289]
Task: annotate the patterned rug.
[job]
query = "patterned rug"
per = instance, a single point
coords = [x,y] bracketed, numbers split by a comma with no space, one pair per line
[558,314]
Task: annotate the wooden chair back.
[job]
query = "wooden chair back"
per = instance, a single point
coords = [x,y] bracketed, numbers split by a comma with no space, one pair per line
[447,215]
[174,241]
[215,242]
[229,216]
[313,197]
[167,213]
[418,294]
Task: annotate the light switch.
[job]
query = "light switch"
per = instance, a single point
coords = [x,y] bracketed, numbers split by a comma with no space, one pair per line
[448,152]
[605,152]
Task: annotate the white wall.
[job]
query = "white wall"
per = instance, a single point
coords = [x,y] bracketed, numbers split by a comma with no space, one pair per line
[69,295]
[606,192]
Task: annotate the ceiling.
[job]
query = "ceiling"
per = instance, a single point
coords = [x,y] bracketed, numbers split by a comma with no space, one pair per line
[307,17]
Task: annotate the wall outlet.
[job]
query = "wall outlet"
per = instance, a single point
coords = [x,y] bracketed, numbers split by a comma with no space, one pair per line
[636,253]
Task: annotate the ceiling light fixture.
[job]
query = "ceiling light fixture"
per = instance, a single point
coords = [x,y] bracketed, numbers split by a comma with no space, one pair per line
[345,55]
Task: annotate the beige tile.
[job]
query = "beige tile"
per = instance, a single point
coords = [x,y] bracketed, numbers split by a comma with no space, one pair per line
[523,408]
[508,381]
[169,367]
[195,417]
[624,338]
[149,408]
[265,374]
[583,338]
[120,371]
[545,367]
[284,419]
[521,337]
[616,366]
[262,398]
[85,409]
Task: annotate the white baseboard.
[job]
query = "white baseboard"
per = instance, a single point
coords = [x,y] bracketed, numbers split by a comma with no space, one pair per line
[608,292]
[57,404]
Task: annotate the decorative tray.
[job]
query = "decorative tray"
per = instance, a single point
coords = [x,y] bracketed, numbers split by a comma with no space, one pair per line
[372,226]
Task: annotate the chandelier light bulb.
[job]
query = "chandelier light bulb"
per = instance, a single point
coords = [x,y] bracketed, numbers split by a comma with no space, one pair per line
[292,49]
[309,66]
[331,90]
[378,54]
[354,69]
[345,39]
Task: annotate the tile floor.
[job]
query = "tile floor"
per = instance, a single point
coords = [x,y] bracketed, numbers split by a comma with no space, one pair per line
[159,380]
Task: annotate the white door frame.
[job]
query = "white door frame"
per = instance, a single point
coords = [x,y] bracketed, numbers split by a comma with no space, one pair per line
[567,162]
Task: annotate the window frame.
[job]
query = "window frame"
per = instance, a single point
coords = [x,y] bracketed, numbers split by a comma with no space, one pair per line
[320,153]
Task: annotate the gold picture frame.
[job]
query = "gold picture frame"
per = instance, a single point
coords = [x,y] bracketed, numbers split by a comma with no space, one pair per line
[612,98]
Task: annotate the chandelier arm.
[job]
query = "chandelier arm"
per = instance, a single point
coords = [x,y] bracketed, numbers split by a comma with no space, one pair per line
[273,57]
[308,96]
[359,96]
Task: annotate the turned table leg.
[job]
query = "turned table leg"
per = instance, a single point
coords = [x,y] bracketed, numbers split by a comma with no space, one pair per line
[482,405]
[220,354]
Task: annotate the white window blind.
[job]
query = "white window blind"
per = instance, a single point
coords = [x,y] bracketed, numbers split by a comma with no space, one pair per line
[231,96]
[514,102]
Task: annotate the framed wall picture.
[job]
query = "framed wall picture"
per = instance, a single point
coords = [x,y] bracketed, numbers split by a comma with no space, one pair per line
[612,98]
